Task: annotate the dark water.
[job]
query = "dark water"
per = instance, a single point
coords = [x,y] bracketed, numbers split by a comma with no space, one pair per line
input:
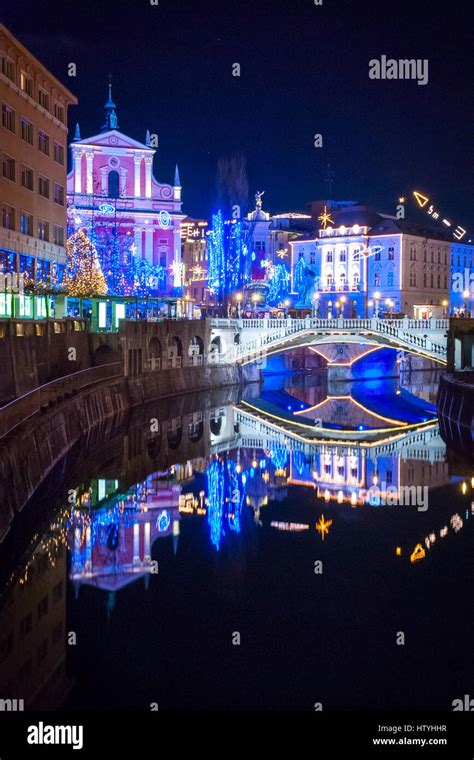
[219,562]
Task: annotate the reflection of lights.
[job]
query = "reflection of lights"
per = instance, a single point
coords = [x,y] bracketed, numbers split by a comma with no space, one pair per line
[464,488]
[340,497]
[398,551]
[327,495]
[353,499]
[456,522]
[417,553]
[322,526]
[443,532]
[432,537]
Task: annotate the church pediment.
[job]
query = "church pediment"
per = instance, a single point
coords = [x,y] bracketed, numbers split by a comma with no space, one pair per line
[113,139]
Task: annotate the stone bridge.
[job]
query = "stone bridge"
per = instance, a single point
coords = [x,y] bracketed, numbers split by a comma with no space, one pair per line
[248,340]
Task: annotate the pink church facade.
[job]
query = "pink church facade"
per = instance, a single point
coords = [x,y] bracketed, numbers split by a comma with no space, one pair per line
[111,183]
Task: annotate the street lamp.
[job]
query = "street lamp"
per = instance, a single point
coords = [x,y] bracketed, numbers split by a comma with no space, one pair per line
[255,299]
[466,295]
[376,299]
[370,305]
[343,300]
[239,298]
[445,304]
[286,304]
[389,304]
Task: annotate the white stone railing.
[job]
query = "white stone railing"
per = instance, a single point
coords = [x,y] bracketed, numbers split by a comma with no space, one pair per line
[412,333]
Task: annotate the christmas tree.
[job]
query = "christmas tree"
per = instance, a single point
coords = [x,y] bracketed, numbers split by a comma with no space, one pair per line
[84,276]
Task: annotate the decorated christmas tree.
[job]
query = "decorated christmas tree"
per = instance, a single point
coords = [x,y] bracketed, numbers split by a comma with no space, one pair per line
[84,276]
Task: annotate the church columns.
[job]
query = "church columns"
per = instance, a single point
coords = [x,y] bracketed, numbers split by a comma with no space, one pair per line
[149,244]
[137,160]
[123,182]
[146,538]
[136,543]
[103,180]
[148,171]
[137,234]
[89,172]
[77,172]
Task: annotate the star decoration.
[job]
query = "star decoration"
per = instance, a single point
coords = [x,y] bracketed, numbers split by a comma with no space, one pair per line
[325,218]
[322,526]
[198,272]
[282,254]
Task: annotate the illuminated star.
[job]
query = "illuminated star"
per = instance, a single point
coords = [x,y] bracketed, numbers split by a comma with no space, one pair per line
[323,526]
[198,272]
[282,254]
[325,218]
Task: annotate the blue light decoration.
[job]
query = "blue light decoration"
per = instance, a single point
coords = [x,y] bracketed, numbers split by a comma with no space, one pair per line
[299,275]
[163,521]
[278,290]
[279,457]
[299,461]
[107,209]
[164,219]
[236,498]
[215,499]
[227,257]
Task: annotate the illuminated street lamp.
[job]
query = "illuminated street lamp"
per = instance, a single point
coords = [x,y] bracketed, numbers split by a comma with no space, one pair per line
[255,299]
[286,304]
[466,295]
[370,305]
[445,305]
[239,298]
[376,299]
[389,304]
[343,300]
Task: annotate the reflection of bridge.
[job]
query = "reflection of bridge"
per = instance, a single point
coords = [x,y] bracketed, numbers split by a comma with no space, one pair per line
[422,442]
[245,340]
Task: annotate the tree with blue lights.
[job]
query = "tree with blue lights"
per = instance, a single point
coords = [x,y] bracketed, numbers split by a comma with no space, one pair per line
[227,253]
[278,289]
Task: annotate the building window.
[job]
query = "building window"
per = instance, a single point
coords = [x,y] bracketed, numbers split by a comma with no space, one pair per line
[312,257]
[445,281]
[425,280]
[342,280]
[43,142]
[43,186]
[59,153]
[26,223]
[376,279]
[377,256]
[439,281]
[432,280]
[413,278]
[58,235]
[329,257]
[26,130]
[43,230]
[59,111]
[390,280]
[329,280]
[389,477]
[26,84]
[8,68]
[58,194]
[114,185]
[412,253]
[43,98]
[27,177]
[391,253]
[26,625]
[342,255]
[425,258]
[8,217]
[27,264]
[8,117]
[445,257]
[8,167]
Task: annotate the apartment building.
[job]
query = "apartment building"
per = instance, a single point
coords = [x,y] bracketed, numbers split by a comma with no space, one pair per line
[33,151]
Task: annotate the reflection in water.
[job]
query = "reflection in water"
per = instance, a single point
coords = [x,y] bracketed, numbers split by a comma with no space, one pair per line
[209,467]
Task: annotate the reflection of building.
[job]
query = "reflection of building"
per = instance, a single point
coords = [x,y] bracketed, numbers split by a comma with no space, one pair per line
[33,630]
[33,133]
[111,546]
[111,185]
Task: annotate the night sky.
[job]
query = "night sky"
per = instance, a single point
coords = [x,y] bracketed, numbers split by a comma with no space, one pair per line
[304,70]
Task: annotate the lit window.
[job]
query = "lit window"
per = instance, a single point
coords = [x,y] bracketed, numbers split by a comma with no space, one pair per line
[26,223]
[8,217]
[26,84]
